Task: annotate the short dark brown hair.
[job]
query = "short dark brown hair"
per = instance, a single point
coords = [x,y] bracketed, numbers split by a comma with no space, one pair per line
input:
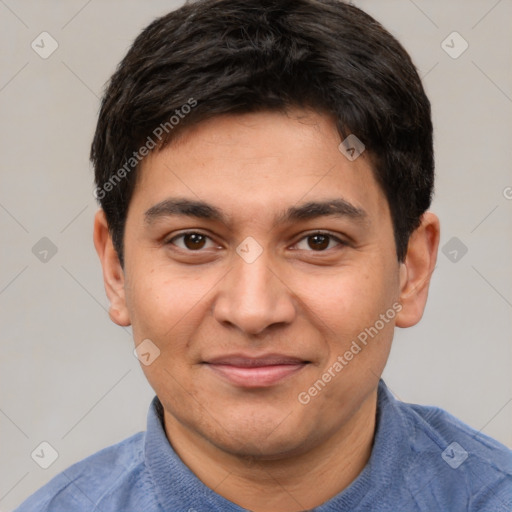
[214,57]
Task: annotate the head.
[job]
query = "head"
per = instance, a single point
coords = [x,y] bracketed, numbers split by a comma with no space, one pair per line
[235,227]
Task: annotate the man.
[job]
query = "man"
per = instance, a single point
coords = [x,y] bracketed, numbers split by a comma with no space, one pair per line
[264,169]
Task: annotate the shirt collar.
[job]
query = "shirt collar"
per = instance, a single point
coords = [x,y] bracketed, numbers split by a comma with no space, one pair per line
[177,488]
[389,453]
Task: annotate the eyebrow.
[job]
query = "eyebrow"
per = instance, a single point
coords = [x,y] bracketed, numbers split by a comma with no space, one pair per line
[201,210]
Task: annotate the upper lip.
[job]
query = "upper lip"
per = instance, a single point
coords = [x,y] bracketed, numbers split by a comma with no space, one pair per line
[247,361]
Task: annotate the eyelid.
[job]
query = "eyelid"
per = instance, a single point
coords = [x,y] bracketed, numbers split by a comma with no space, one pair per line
[332,236]
[170,241]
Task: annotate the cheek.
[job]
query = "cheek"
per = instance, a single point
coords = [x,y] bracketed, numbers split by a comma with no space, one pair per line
[160,299]
[348,297]
[348,304]
[167,310]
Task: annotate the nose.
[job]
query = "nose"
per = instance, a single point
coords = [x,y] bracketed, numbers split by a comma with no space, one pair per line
[253,297]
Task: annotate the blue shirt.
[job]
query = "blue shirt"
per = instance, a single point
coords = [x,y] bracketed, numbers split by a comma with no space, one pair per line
[423,459]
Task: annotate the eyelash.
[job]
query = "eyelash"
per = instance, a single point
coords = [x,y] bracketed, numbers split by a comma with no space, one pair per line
[322,233]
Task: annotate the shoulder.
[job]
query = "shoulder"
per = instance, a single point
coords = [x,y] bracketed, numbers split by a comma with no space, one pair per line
[86,484]
[456,460]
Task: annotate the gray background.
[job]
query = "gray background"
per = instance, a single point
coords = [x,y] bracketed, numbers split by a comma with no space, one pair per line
[68,375]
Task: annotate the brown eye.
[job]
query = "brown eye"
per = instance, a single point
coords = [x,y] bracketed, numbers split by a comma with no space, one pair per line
[318,242]
[192,241]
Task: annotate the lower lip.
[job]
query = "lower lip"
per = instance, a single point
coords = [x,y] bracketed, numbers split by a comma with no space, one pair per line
[256,377]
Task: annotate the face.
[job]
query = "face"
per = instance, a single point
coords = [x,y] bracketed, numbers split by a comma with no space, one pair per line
[257,260]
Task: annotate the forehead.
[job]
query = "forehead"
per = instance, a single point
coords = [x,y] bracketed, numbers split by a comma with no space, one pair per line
[265,162]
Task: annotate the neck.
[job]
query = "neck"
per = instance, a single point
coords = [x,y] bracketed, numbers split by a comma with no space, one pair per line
[288,484]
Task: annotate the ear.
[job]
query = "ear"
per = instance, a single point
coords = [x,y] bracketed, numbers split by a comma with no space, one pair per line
[416,270]
[113,274]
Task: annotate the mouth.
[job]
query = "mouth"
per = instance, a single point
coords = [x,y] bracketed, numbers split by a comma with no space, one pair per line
[256,372]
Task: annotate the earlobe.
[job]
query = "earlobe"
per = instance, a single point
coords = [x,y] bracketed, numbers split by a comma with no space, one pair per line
[113,274]
[416,270]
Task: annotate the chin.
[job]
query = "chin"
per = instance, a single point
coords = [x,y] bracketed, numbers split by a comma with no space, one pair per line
[260,436]
[254,447]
